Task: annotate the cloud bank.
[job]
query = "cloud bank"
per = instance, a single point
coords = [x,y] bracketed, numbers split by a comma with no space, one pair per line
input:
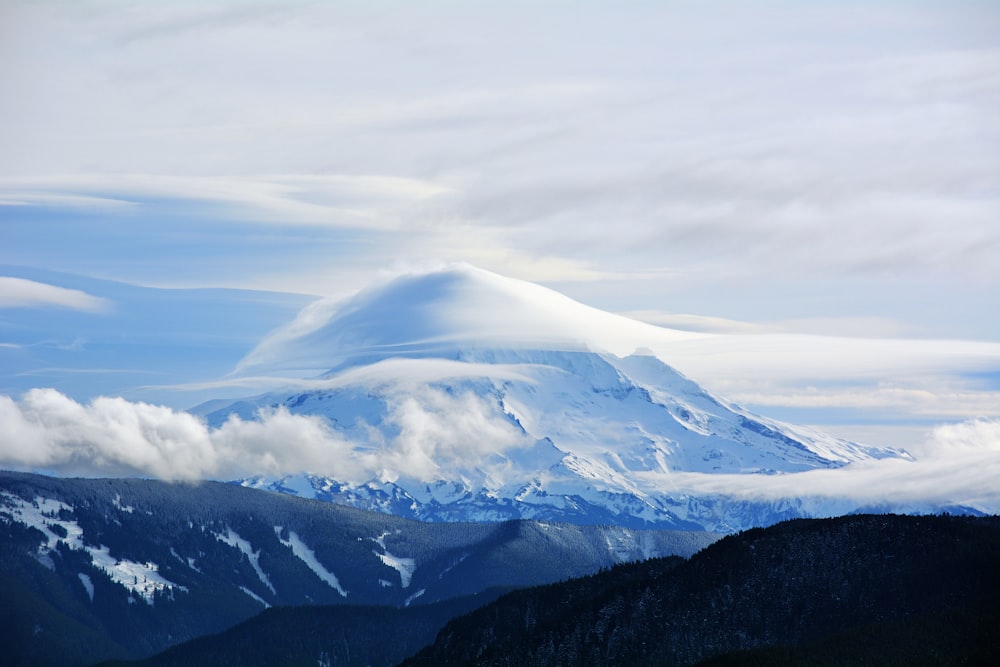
[957,466]
[48,431]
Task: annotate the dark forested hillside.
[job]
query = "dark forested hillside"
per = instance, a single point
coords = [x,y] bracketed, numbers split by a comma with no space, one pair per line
[329,635]
[850,590]
[94,569]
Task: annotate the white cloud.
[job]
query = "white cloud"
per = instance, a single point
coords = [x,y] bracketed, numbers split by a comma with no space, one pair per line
[727,360]
[22,293]
[863,327]
[282,443]
[47,430]
[959,466]
[346,200]
[62,200]
[929,397]
[980,434]
[698,323]
[385,373]
[777,140]
[438,430]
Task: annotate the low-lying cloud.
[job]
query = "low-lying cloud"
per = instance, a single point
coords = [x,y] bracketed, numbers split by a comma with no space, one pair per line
[957,466]
[48,431]
[429,430]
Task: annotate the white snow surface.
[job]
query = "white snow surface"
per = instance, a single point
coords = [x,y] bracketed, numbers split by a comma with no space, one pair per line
[118,504]
[624,544]
[143,579]
[256,597]
[308,556]
[405,566]
[88,585]
[232,538]
[413,597]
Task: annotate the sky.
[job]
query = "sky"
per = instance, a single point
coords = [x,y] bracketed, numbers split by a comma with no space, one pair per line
[178,179]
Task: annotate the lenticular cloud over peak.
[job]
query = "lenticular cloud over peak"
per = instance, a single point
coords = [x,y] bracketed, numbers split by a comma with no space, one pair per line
[435,312]
[443,312]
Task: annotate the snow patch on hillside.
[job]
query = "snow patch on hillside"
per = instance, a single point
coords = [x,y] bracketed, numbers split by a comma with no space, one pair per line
[118,504]
[88,585]
[413,597]
[46,515]
[143,579]
[405,566]
[255,597]
[232,538]
[308,556]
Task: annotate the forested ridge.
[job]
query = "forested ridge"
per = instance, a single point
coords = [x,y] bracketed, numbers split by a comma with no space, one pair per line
[856,589]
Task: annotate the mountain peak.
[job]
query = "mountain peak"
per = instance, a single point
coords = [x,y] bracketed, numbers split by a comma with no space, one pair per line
[462,393]
[436,312]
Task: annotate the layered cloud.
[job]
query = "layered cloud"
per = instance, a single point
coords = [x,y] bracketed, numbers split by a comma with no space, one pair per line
[958,467]
[333,200]
[661,138]
[23,293]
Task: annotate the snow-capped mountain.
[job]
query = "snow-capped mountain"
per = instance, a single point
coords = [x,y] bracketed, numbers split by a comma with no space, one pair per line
[463,395]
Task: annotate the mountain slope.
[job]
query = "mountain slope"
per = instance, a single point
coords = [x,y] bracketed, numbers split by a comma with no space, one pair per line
[317,635]
[96,568]
[468,396]
[928,585]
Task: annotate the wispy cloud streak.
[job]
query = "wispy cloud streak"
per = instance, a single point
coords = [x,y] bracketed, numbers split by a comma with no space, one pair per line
[958,466]
[22,293]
